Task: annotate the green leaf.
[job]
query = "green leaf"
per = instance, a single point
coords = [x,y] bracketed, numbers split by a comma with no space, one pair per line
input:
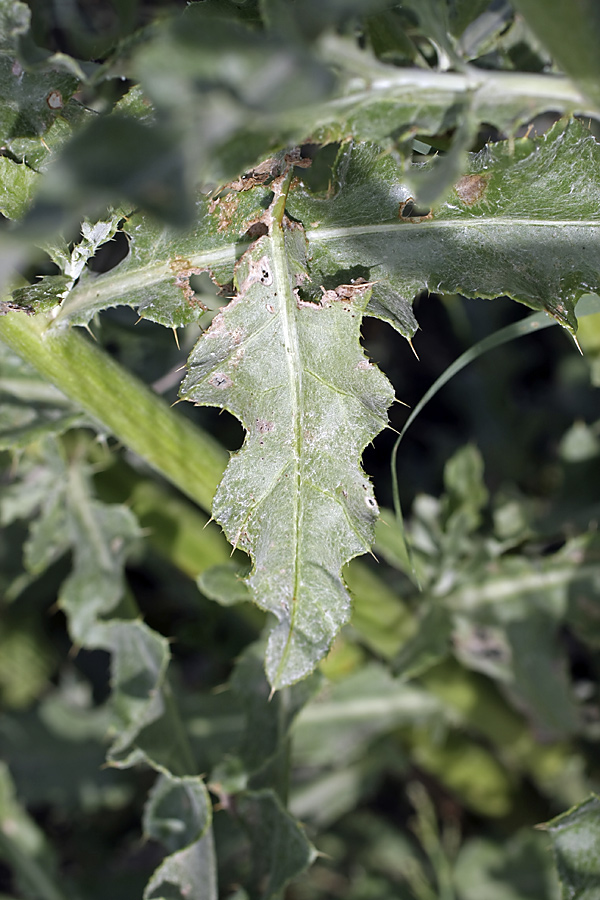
[14,21]
[463,12]
[288,479]
[101,537]
[377,102]
[226,112]
[518,869]
[466,494]
[177,812]
[224,584]
[335,728]
[571,34]
[30,407]
[534,199]
[56,752]
[25,848]
[267,719]
[37,110]
[117,159]
[189,873]
[17,184]
[428,646]
[576,843]
[280,848]
[50,290]
[155,275]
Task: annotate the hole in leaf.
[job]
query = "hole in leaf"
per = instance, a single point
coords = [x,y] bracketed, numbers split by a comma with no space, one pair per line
[256,230]
[206,291]
[410,210]
[110,254]
[345,276]
[318,177]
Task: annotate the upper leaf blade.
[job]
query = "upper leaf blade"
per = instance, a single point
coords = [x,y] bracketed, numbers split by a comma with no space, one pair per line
[522,222]
[295,496]
[575,843]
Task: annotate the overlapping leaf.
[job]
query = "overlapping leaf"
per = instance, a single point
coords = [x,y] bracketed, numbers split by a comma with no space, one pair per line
[29,406]
[155,275]
[523,222]
[95,599]
[575,841]
[295,497]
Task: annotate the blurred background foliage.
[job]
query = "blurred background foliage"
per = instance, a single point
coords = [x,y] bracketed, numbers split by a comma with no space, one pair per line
[448,720]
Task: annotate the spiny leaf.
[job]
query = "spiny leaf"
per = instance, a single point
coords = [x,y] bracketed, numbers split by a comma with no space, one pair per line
[295,497]
[50,290]
[576,841]
[178,811]
[280,848]
[524,222]
[190,872]
[155,275]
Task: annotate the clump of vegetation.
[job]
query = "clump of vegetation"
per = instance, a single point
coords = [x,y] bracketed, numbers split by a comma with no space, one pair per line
[230,668]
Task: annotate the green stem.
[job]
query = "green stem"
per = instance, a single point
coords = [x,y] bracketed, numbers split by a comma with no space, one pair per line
[511,95]
[183,453]
[188,457]
[30,870]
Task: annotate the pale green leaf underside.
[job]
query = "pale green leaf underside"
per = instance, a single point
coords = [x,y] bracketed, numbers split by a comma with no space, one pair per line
[295,497]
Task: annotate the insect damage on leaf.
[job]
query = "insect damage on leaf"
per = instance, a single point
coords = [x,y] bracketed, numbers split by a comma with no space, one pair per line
[295,496]
[471,188]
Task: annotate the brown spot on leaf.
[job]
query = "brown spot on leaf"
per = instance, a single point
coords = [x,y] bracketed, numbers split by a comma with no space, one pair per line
[237,356]
[183,269]
[258,271]
[263,427]
[6,305]
[55,100]
[226,207]
[471,188]
[295,158]
[220,380]
[259,175]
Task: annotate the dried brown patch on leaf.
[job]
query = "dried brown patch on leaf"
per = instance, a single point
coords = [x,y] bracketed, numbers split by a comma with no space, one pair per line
[220,380]
[259,175]
[295,158]
[183,270]
[54,100]
[345,292]
[226,208]
[471,188]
